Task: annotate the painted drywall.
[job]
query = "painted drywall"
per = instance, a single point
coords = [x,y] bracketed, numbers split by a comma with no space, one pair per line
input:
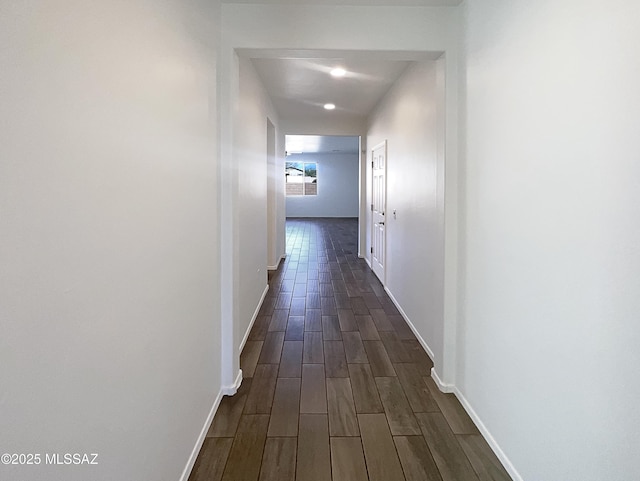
[246,188]
[337,187]
[273,179]
[108,290]
[251,161]
[280,207]
[276,217]
[324,125]
[302,30]
[305,26]
[435,3]
[407,118]
[552,228]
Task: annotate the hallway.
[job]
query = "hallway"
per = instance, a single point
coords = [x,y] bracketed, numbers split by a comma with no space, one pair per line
[336,386]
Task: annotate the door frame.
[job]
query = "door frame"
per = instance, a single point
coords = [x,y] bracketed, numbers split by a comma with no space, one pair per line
[382,144]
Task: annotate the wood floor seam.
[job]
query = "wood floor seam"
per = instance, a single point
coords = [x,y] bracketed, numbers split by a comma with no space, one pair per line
[337,387]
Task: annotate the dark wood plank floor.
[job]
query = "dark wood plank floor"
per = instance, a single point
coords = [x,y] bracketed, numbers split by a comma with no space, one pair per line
[336,386]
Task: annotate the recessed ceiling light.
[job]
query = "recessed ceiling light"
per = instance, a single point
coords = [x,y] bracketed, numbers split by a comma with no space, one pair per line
[329,106]
[338,72]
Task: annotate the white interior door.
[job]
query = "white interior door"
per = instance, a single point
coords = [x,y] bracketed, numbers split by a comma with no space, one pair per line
[378,207]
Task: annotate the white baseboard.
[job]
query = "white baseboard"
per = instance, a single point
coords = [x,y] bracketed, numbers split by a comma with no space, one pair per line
[493,444]
[451,388]
[253,319]
[200,441]
[422,342]
[275,268]
[441,385]
[231,390]
[366,259]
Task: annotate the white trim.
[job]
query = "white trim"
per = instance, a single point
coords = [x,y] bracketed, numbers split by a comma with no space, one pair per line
[441,385]
[231,390]
[275,268]
[200,441]
[451,388]
[493,444]
[384,209]
[253,319]
[366,259]
[422,342]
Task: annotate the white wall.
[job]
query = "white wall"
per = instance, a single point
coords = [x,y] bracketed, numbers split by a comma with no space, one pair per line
[322,125]
[251,160]
[275,200]
[108,294]
[337,187]
[280,207]
[407,117]
[253,26]
[552,230]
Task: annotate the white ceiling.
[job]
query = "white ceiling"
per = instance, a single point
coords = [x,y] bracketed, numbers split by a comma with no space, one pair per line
[375,3]
[299,83]
[323,144]
[300,87]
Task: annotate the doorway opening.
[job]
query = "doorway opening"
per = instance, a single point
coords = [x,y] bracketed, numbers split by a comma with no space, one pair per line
[322,175]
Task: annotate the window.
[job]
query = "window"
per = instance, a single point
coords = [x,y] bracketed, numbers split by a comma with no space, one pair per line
[301,178]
